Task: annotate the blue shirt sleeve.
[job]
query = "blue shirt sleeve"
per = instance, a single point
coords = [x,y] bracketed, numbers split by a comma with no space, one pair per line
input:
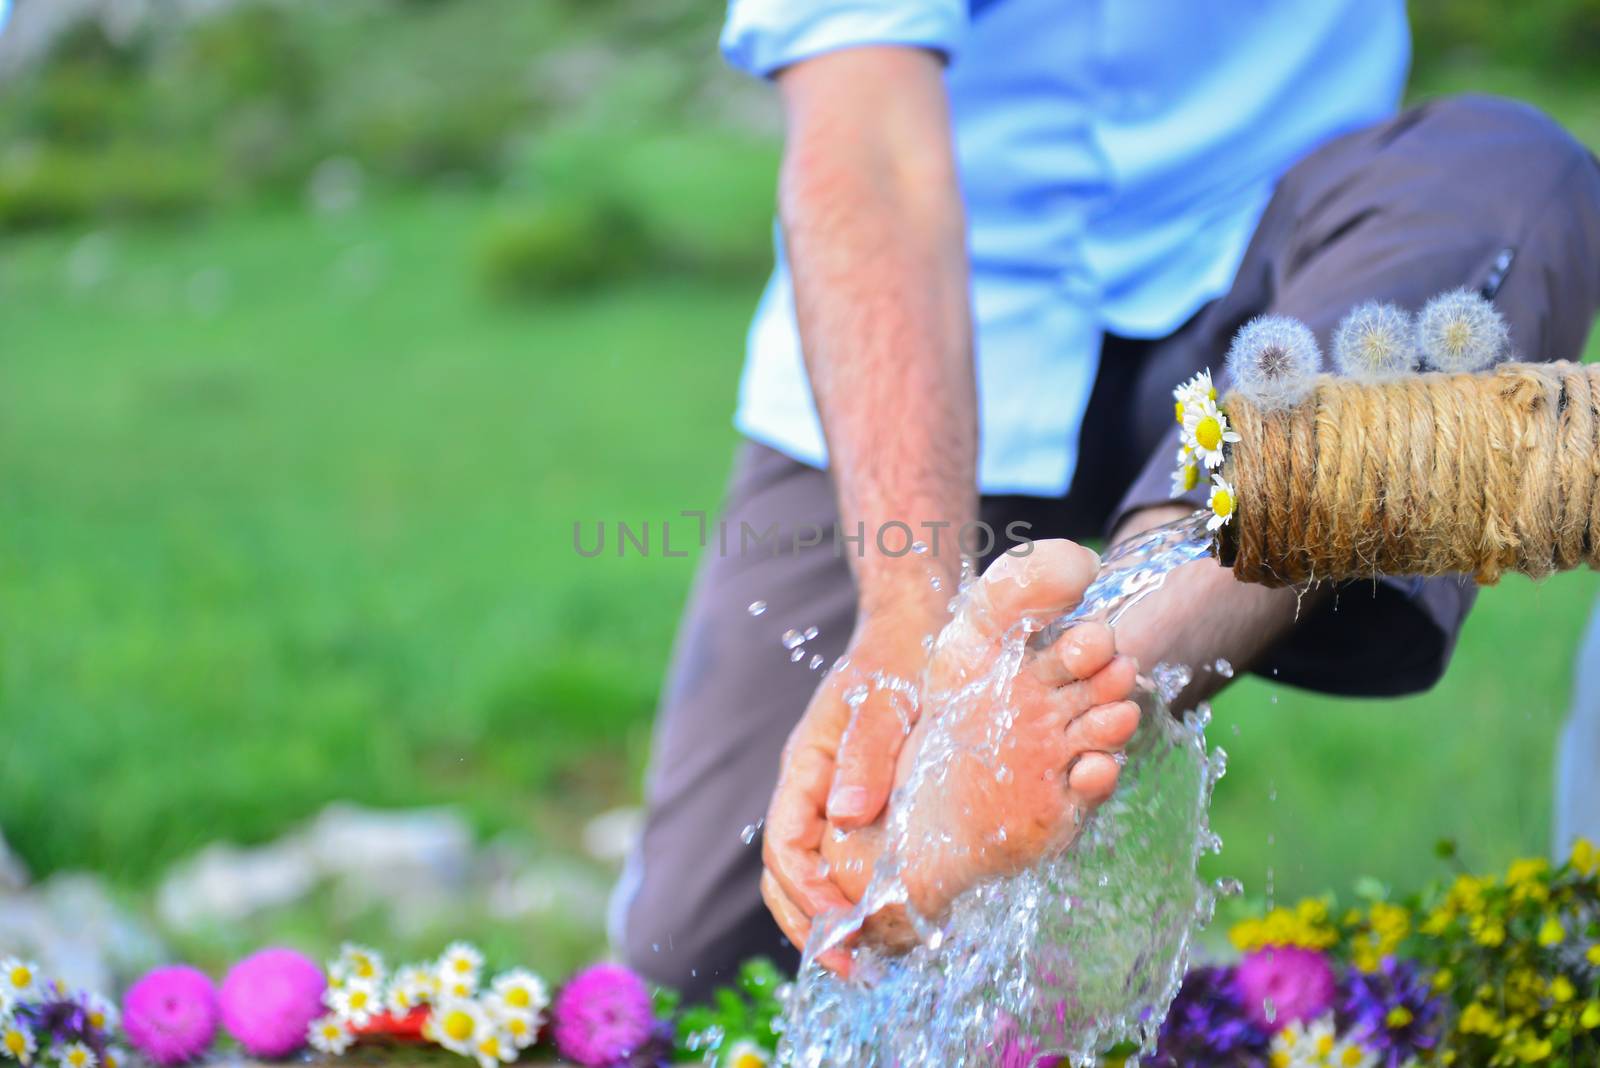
[763,36]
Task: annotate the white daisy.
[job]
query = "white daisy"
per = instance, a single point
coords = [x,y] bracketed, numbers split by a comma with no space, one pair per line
[520,989]
[458,1025]
[1301,1045]
[358,963]
[355,1001]
[746,1054]
[461,963]
[16,1042]
[411,987]
[77,1055]
[1352,1054]
[101,1012]
[114,1058]
[1206,430]
[520,1026]
[19,977]
[1185,478]
[1221,503]
[8,1001]
[493,1048]
[1197,389]
[330,1034]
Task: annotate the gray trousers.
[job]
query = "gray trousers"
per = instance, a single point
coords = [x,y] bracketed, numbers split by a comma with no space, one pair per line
[1473,191]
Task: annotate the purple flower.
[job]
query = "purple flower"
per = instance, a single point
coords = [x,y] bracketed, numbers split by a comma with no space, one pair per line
[602,1016]
[1207,1025]
[171,1014]
[1393,1011]
[1281,985]
[269,1000]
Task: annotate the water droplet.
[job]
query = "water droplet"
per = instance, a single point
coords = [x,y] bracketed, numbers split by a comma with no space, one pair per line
[792,638]
[757,607]
[1223,668]
[816,662]
[750,831]
[1269,1009]
[811,633]
[797,654]
[919,547]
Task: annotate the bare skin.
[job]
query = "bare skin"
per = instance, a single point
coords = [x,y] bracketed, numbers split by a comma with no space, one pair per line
[1072,714]
[876,236]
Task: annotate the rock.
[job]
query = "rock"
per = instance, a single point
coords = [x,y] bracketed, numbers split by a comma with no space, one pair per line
[610,836]
[13,873]
[224,883]
[78,932]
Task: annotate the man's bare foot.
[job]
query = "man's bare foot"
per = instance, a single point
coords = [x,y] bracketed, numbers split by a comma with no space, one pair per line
[1008,776]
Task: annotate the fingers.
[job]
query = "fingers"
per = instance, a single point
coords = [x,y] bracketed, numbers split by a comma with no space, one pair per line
[1077,654]
[796,925]
[1041,585]
[1093,777]
[868,754]
[793,834]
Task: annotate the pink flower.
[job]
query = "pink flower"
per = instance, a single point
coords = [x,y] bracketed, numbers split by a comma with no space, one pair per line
[269,1000]
[171,1014]
[602,1015]
[1281,985]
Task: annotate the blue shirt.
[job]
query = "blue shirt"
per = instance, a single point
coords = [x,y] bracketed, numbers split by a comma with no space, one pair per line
[1115,156]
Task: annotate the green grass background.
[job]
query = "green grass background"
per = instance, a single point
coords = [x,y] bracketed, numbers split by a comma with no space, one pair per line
[287,518]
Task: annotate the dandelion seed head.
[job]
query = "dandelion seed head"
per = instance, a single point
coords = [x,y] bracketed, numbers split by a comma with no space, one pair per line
[1375,342]
[1274,361]
[1460,331]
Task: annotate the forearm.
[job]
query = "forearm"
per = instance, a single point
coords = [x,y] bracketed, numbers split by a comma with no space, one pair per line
[875,235]
[1202,614]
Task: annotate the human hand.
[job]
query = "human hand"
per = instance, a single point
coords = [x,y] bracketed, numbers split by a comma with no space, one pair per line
[839,763]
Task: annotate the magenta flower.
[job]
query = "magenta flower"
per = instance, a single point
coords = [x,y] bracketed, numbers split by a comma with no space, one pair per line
[171,1014]
[602,1015]
[1281,985]
[269,1000]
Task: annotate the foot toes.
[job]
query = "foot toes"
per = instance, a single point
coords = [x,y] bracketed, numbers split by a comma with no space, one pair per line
[1093,777]
[1041,585]
[1078,654]
[1114,682]
[1103,728]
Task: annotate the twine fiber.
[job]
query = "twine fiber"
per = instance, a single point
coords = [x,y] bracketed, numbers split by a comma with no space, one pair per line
[1427,475]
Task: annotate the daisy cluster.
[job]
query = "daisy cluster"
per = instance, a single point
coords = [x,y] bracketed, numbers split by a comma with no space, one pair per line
[490,1021]
[41,1021]
[1204,432]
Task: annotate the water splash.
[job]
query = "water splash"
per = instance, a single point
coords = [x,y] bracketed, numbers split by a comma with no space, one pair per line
[1082,951]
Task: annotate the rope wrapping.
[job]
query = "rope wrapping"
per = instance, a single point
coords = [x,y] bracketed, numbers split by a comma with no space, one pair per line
[1430,474]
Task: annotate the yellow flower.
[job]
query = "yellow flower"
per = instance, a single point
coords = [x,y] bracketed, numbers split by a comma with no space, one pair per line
[1487,932]
[1590,1017]
[1593,955]
[1524,880]
[1585,857]
[1478,1019]
[1398,1017]
[1562,990]
[1552,933]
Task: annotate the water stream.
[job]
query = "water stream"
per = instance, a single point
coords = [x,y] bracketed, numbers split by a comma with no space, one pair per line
[1082,951]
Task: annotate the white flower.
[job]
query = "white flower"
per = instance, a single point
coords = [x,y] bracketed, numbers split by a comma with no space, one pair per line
[355,1001]
[358,963]
[1185,478]
[458,1024]
[1198,388]
[1221,503]
[460,964]
[521,990]
[745,1054]
[77,1055]
[16,1042]
[412,986]
[1375,342]
[1274,360]
[329,1034]
[1460,331]
[1206,430]
[1352,1054]
[494,1047]
[19,977]
[101,1012]
[114,1058]
[520,1025]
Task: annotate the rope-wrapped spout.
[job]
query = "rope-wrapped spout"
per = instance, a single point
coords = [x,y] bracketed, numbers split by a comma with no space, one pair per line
[1425,474]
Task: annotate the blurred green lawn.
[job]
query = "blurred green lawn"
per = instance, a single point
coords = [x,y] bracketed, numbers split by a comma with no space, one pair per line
[288,518]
